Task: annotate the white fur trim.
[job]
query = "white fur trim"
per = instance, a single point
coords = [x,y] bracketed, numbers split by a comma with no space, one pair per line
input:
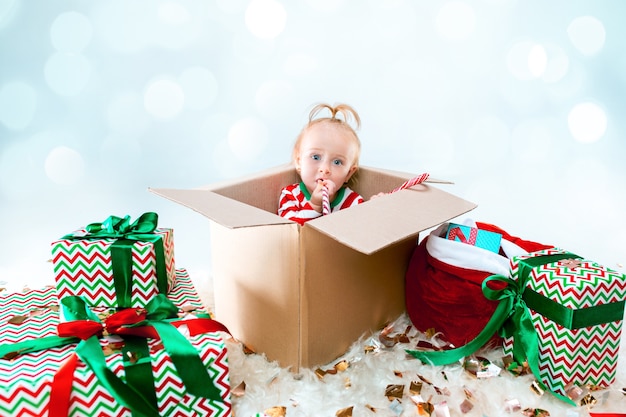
[466,256]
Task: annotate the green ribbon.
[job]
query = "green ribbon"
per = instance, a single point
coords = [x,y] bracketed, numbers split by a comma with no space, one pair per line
[155,321]
[512,318]
[126,234]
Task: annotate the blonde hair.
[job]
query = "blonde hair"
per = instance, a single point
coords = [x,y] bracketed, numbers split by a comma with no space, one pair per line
[347,114]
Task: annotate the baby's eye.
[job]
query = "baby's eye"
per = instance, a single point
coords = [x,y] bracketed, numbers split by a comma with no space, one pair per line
[337,162]
[316,157]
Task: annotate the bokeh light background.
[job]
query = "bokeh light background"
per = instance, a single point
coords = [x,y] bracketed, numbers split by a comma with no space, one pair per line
[520,103]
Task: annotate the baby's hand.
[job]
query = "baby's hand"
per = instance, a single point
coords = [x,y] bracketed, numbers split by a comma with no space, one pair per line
[316,195]
[331,186]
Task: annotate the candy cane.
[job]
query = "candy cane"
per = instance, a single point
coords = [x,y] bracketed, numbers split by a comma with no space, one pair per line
[413,181]
[325,201]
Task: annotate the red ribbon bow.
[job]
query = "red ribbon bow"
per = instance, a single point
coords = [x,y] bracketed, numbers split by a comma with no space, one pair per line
[120,323]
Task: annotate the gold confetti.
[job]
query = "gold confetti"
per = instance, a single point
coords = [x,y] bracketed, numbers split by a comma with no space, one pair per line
[132,357]
[345,412]
[239,390]
[17,319]
[570,263]
[347,383]
[466,406]
[370,349]
[339,367]
[398,374]
[394,391]
[390,341]
[514,367]
[342,366]
[425,408]
[278,411]
[11,355]
[248,350]
[588,400]
[537,388]
[574,392]
[535,412]
[415,388]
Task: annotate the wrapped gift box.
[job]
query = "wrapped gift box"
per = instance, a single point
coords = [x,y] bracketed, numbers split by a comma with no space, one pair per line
[484,239]
[26,380]
[577,308]
[85,264]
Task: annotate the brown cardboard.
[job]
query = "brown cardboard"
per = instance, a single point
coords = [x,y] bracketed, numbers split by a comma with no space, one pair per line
[303,295]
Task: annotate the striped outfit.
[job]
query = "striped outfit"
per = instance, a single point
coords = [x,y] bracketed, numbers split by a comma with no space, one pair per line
[294,202]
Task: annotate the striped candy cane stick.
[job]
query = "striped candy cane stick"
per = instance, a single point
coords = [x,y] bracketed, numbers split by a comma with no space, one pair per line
[413,181]
[325,201]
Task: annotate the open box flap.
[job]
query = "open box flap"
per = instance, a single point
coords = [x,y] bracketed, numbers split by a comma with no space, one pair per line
[388,219]
[253,201]
[223,210]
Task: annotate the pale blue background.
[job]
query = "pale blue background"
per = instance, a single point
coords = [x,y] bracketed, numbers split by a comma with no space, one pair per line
[521,103]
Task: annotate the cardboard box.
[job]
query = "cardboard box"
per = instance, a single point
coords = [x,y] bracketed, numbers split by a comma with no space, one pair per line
[26,379]
[303,294]
[577,308]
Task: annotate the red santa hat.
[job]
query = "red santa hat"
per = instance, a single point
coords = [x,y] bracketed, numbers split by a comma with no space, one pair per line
[444,281]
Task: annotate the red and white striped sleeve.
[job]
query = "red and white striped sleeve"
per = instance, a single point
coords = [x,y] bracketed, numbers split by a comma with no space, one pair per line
[294,205]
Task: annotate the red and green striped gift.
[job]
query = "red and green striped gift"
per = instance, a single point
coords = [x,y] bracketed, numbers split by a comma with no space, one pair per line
[31,383]
[116,263]
[577,308]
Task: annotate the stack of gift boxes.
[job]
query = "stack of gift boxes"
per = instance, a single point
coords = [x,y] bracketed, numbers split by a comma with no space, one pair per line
[113,336]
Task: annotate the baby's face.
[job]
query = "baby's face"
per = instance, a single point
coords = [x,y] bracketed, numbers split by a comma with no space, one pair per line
[326,152]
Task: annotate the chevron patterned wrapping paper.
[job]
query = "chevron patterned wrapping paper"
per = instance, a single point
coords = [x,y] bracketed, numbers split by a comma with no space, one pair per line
[583,356]
[25,381]
[85,268]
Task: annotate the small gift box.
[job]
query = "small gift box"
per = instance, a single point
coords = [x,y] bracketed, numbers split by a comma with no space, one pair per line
[576,307]
[116,263]
[473,236]
[146,362]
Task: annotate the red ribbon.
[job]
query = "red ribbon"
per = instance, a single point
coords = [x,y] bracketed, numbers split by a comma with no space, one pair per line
[119,323]
[457,232]
[607,415]
[62,388]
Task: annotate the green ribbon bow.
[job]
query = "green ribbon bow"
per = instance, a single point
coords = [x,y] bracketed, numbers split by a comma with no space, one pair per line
[158,320]
[512,318]
[126,234]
